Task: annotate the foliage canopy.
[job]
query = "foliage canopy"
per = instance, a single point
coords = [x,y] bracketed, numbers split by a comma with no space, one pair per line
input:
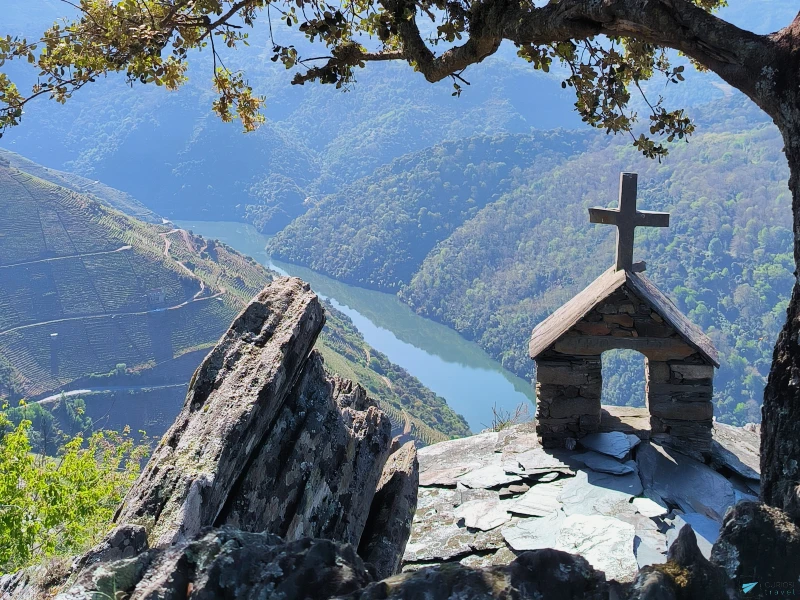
[150,41]
[59,506]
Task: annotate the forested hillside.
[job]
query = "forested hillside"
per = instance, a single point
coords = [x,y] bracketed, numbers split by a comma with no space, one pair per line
[93,298]
[725,260]
[377,231]
[316,138]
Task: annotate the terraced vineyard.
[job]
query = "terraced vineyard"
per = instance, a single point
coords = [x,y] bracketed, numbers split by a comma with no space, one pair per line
[85,288]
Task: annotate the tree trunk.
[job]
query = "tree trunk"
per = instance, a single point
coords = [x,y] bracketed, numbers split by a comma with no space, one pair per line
[780,413]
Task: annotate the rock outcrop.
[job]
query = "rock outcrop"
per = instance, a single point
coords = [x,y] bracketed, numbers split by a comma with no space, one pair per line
[389,523]
[278,480]
[233,401]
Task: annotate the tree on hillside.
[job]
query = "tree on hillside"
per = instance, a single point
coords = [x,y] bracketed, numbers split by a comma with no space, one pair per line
[609,48]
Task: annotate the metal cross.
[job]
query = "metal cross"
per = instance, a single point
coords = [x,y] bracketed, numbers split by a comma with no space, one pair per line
[627,219]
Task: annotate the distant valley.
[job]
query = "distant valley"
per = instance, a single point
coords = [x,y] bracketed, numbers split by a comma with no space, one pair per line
[92,298]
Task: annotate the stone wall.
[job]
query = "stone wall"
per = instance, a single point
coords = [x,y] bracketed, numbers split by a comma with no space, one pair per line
[679,378]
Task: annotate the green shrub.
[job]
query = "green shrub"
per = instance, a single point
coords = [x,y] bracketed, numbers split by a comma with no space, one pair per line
[59,505]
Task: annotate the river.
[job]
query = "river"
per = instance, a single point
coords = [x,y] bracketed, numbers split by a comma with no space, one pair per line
[454,368]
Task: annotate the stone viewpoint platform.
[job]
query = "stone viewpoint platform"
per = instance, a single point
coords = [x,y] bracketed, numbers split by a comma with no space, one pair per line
[618,500]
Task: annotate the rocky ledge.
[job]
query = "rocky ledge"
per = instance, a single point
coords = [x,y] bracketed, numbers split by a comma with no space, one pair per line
[280,481]
[617,500]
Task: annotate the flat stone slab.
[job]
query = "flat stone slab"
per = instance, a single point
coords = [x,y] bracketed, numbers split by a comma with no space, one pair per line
[534,533]
[607,544]
[518,438]
[650,508]
[435,534]
[650,548]
[591,493]
[683,481]
[535,462]
[611,443]
[605,464]
[481,514]
[541,500]
[491,475]
[737,449]
[706,530]
[440,464]
[626,419]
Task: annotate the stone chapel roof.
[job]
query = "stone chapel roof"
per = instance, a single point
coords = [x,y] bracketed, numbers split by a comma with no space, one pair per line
[546,333]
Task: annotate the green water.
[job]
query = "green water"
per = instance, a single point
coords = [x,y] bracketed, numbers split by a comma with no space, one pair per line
[453,367]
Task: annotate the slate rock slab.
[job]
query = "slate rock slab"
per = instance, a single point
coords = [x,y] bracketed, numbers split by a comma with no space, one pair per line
[605,542]
[650,507]
[737,449]
[440,464]
[612,443]
[536,462]
[492,474]
[591,493]
[684,482]
[534,533]
[539,501]
[481,514]
[436,536]
[605,464]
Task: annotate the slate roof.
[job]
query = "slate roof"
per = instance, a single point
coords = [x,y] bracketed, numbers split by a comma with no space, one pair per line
[546,333]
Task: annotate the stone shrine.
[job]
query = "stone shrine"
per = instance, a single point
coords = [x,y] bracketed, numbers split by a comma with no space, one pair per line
[623,309]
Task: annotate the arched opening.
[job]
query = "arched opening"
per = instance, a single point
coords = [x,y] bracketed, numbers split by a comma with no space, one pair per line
[623,378]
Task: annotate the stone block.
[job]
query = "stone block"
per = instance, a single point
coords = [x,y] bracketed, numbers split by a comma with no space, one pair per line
[593,328]
[624,320]
[607,309]
[627,308]
[549,391]
[693,371]
[684,389]
[657,372]
[592,391]
[655,330]
[621,333]
[575,406]
[656,317]
[562,375]
[689,411]
[589,423]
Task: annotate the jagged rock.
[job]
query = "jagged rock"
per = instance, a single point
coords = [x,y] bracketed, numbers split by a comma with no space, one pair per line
[683,481]
[605,464]
[706,530]
[540,500]
[233,399]
[125,541]
[332,443]
[590,493]
[758,543]
[225,563]
[687,575]
[612,443]
[440,464]
[737,449]
[389,523]
[532,576]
